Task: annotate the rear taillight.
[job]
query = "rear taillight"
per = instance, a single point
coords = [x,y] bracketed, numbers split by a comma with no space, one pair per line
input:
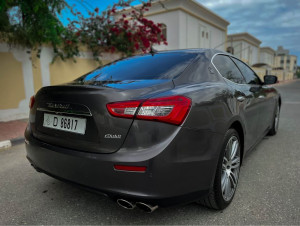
[123,109]
[31,102]
[172,109]
[165,109]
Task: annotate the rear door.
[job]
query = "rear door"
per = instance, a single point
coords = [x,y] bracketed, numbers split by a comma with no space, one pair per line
[245,104]
[263,98]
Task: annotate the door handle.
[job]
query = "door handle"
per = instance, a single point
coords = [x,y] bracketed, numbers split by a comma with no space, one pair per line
[240,98]
[261,97]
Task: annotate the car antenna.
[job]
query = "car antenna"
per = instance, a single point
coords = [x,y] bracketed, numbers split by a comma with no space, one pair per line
[152,51]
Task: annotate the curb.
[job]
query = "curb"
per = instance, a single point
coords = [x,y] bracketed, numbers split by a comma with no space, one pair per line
[9,143]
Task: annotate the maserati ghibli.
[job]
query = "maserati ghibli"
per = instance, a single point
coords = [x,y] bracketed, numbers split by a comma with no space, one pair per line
[154,130]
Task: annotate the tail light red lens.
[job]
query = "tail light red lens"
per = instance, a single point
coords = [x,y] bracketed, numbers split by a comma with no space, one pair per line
[172,109]
[31,102]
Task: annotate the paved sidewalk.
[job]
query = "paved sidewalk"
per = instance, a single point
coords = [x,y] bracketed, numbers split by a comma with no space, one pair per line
[12,130]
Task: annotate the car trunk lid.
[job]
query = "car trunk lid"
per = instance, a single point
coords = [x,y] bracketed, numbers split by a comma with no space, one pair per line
[103,133]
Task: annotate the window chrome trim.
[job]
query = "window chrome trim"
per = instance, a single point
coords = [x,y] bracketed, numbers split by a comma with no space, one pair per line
[250,69]
[226,80]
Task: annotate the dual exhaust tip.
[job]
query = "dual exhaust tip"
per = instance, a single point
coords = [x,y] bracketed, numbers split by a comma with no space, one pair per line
[148,208]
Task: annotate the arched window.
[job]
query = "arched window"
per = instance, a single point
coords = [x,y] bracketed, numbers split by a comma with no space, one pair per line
[164,30]
[230,50]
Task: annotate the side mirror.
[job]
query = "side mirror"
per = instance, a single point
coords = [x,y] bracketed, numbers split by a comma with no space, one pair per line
[270,79]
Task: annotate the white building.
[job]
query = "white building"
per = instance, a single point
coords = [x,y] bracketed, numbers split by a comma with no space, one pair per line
[267,56]
[245,47]
[285,61]
[189,25]
[267,60]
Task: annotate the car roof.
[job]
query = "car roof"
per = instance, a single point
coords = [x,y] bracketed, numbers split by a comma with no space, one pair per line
[208,52]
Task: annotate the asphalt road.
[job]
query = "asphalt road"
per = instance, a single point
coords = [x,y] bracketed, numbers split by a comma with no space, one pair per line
[268,191]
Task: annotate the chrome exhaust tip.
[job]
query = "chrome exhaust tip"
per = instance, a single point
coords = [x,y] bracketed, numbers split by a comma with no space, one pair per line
[126,204]
[146,207]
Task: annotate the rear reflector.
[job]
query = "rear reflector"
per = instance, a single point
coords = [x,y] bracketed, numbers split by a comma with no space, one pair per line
[172,109]
[130,168]
[31,102]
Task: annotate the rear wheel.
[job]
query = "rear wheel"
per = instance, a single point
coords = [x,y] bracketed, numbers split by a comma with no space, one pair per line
[275,124]
[227,173]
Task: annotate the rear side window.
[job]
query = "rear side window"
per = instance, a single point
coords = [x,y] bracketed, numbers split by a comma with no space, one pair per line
[159,66]
[227,69]
[250,76]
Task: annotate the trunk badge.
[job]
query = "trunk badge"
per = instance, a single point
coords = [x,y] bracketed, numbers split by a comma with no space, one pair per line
[59,106]
[112,136]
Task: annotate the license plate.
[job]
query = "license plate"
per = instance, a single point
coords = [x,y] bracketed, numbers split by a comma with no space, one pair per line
[65,123]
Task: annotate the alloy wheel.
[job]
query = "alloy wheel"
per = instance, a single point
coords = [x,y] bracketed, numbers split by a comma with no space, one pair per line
[230,168]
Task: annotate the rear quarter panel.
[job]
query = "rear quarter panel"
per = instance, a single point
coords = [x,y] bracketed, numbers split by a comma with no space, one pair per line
[213,106]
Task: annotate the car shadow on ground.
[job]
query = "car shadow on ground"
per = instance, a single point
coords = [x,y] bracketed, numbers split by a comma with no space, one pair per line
[94,207]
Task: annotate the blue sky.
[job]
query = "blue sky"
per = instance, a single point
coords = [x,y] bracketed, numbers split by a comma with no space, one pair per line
[84,5]
[274,22]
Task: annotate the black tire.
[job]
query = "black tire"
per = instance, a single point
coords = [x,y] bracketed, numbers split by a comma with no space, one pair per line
[275,124]
[215,199]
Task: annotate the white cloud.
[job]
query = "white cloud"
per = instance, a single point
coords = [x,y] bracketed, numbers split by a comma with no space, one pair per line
[287,19]
[274,22]
[225,3]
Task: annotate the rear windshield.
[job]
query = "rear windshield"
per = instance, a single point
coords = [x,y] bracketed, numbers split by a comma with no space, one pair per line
[159,66]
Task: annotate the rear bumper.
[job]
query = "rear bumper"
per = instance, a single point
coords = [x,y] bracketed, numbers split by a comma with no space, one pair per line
[173,176]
